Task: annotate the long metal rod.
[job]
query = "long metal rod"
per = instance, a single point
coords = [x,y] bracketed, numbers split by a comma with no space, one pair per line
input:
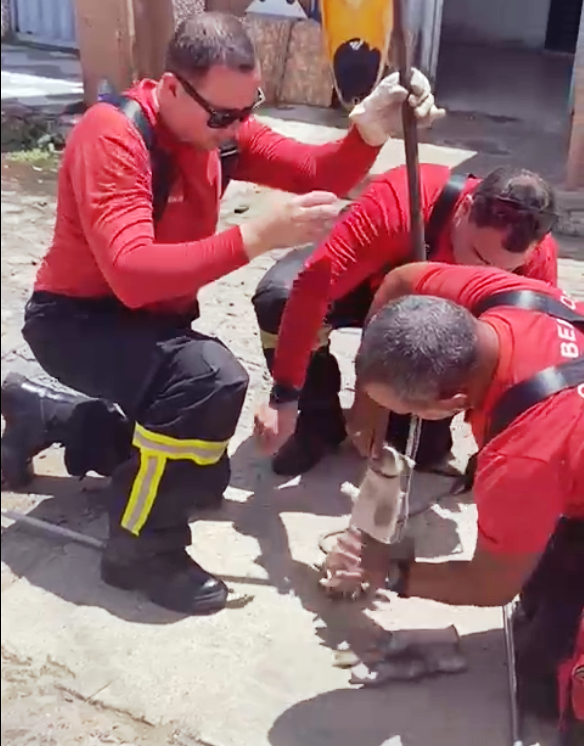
[417,236]
[50,528]
[515,725]
[410,130]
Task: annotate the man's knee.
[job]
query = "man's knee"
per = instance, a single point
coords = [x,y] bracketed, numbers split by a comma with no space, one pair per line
[273,290]
[200,392]
[269,301]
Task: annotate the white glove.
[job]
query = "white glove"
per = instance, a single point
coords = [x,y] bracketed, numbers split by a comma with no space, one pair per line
[378,116]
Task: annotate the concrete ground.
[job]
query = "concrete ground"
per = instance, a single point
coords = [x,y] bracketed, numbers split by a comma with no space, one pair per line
[83,664]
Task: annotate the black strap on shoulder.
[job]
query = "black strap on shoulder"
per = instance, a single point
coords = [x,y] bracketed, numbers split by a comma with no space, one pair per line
[442,211]
[228,155]
[134,112]
[161,163]
[530,300]
[528,393]
[546,383]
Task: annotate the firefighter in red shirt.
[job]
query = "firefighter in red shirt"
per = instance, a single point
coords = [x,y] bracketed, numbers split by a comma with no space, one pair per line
[504,220]
[444,340]
[110,316]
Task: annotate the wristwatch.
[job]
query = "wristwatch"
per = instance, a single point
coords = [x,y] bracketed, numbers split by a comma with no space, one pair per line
[397,580]
[283,394]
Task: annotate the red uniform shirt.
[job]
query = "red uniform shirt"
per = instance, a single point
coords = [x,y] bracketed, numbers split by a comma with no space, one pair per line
[533,471]
[104,241]
[371,237]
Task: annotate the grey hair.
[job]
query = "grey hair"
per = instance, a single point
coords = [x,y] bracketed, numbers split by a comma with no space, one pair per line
[421,346]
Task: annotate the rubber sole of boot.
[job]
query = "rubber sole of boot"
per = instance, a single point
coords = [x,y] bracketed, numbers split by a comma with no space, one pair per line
[208,604]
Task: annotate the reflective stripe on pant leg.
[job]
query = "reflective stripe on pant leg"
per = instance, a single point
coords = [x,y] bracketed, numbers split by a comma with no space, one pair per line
[270,341]
[155,450]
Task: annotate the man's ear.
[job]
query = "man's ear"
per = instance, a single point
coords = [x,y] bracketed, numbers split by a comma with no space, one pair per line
[456,403]
[466,204]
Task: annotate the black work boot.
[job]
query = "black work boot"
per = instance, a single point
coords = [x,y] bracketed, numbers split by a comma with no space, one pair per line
[33,413]
[311,442]
[169,578]
[96,434]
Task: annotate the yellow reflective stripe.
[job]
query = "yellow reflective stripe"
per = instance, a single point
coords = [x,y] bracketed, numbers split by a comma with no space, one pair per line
[270,341]
[144,491]
[202,452]
[155,450]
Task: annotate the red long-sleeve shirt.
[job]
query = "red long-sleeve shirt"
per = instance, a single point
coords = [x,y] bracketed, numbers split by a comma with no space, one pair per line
[533,471]
[372,237]
[104,241]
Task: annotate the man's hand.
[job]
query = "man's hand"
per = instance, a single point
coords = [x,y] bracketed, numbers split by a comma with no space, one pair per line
[297,220]
[362,421]
[358,557]
[378,116]
[274,425]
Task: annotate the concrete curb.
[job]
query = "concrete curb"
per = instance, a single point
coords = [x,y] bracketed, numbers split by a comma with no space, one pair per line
[571,209]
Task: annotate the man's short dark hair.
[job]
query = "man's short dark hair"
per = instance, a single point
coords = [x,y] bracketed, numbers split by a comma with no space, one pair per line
[517,201]
[422,347]
[206,40]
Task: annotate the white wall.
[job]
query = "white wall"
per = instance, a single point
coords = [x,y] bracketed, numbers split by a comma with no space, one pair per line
[507,21]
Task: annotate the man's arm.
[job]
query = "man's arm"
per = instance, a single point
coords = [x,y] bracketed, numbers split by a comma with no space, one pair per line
[279,162]
[371,235]
[460,284]
[486,580]
[400,281]
[110,176]
[518,507]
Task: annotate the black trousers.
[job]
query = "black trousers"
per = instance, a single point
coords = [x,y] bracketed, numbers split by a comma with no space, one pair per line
[319,404]
[181,391]
[551,605]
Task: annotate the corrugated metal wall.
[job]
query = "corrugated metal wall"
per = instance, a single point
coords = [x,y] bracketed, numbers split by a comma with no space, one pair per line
[45,21]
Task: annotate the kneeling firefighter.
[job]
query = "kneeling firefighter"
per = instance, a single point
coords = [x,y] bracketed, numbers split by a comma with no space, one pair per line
[115,296]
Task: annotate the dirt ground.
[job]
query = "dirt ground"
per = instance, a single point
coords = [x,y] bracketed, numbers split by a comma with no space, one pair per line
[50,695]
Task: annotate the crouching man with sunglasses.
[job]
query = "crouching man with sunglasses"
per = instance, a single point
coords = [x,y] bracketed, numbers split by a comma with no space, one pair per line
[114,299]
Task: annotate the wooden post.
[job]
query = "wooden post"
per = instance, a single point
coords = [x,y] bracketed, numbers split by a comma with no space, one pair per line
[575,167]
[154,23]
[105,35]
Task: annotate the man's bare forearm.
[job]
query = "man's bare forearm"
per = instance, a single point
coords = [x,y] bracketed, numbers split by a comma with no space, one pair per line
[456,582]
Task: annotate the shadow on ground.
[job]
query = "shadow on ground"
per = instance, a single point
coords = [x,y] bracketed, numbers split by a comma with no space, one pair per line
[64,569]
[431,712]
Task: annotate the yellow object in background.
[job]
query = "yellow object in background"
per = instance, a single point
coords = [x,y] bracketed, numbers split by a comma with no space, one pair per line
[357,37]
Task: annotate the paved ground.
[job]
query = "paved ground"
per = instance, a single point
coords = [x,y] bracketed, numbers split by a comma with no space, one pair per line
[84,664]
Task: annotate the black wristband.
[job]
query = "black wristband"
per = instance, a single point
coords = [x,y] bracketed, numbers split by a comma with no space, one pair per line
[401,587]
[400,583]
[283,394]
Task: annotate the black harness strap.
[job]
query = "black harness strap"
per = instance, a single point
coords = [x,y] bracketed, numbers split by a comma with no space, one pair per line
[530,300]
[526,394]
[161,163]
[442,211]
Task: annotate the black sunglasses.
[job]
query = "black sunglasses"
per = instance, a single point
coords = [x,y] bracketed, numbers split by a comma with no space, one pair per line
[220,118]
